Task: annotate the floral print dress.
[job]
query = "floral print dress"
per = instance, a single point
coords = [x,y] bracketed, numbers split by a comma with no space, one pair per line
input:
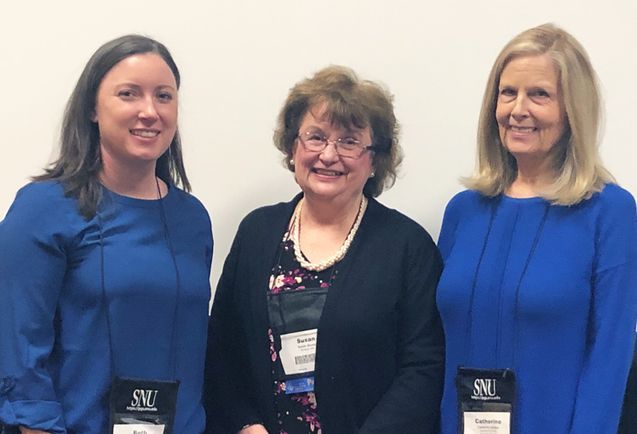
[295,413]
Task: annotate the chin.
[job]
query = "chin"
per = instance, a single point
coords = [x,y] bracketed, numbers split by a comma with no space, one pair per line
[320,193]
[522,148]
[148,154]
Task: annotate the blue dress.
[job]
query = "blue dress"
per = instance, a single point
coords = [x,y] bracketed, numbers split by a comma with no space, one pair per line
[554,298]
[55,368]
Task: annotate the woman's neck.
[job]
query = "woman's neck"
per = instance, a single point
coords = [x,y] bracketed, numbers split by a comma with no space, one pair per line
[334,214]
[324,227]
[533,178]
[138,182]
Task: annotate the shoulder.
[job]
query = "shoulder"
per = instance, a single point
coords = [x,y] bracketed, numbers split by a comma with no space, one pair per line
[264,226]
[463,207]
[391,238]
[270,216]
[43,200]
[387,223]
[613,220]
[465,200]
[613,197]
[42,210]
[467,208]
[190,210]
[613,211]
[613,206]
[188,203]
[41,193]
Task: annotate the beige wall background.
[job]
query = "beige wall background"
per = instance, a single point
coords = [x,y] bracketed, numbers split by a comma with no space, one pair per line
[239,58]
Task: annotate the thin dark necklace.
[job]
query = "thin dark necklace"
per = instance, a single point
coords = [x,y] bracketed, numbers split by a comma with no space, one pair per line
[469,325]
[173,360]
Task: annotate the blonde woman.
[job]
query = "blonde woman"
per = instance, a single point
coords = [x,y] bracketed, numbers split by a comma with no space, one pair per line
[539,291]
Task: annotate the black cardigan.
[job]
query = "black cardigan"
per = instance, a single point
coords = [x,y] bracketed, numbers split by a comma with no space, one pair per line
[380,353]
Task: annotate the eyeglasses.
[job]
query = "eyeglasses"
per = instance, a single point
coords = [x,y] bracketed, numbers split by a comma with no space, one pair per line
[347,147]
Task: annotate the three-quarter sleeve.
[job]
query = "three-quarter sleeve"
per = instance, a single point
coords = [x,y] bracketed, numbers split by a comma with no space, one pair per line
[610,335]
[32,269]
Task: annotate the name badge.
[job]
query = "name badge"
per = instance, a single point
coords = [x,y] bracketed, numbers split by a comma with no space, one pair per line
[487,422]
[138,429]
[298,352]
[139,406]
[485,400]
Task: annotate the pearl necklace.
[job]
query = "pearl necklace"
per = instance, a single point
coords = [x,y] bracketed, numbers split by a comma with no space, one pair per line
[295,236]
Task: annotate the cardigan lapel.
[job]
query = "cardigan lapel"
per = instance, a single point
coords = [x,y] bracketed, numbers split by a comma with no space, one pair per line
[265,251]
[345,265]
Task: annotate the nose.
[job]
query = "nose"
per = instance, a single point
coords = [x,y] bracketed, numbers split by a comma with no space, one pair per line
[147,110]
[520,108]
[329,155]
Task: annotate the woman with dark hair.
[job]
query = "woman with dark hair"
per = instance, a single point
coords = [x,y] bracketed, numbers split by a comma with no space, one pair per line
[324,320]
[104,263]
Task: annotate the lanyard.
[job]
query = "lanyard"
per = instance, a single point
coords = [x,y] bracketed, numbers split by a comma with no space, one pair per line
[275,314]
[172,352]
[469,325]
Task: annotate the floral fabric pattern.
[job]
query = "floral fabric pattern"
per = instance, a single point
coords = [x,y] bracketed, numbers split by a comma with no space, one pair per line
[296,413]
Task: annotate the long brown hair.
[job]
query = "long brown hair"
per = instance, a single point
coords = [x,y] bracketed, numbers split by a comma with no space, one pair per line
[79,162]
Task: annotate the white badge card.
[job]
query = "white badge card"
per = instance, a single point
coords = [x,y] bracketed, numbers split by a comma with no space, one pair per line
[138,429]
[485,400]
[298,352]
[481,422]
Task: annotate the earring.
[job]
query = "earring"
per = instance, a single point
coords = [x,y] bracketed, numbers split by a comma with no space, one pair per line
[371,175]
[291,161]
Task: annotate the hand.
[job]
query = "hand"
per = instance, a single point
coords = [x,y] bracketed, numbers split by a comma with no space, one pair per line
[24,430]
[252,429]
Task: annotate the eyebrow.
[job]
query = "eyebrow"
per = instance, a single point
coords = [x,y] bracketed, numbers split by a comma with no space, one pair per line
[345,132]
[542,86]
[137,86]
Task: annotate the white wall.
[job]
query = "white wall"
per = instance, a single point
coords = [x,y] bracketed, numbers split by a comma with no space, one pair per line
[239,58]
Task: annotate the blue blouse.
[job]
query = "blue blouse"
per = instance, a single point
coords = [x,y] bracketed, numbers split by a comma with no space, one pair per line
[55,368]
[554,298]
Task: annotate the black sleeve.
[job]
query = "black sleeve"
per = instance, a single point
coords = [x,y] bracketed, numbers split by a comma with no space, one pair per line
[227,396]
[411,404]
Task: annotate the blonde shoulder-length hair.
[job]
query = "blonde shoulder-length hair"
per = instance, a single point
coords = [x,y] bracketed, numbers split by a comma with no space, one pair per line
[575,157]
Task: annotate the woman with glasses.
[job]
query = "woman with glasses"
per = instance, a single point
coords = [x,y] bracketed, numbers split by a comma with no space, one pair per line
[324,320]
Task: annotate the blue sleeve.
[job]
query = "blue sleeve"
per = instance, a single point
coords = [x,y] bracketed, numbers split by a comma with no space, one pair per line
[32,268]
[611,328]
